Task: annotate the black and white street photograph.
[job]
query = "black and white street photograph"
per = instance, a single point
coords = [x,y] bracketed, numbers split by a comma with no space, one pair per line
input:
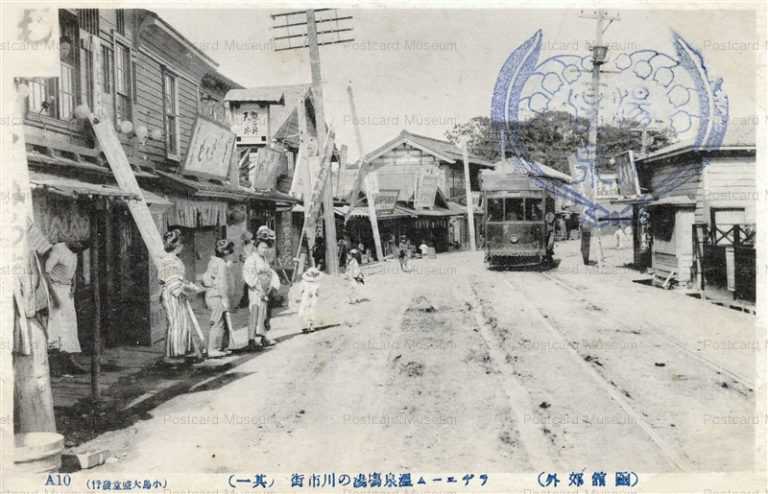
[358,247]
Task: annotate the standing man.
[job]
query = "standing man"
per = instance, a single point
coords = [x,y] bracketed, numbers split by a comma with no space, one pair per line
[342,254]
[586,235]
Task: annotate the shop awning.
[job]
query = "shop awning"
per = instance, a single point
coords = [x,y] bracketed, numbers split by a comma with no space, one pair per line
[679,201]
[72,187]
[210,190]
[362,212]
[436,212]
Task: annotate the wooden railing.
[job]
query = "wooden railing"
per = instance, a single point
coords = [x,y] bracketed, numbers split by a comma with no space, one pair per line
[709,256]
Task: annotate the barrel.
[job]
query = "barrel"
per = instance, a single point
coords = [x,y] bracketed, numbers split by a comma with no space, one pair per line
[38,452]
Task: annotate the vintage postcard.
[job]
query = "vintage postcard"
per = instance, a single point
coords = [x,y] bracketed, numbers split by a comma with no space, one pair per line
[368,248]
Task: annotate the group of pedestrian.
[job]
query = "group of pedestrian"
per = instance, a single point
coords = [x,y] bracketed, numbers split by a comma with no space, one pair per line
[184,340]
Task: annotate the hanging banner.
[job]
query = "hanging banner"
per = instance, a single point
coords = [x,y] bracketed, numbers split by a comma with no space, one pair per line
[312,206]
[210,150]
[371,181]
[31,42]
[270,164]
[426,189]
[626,175]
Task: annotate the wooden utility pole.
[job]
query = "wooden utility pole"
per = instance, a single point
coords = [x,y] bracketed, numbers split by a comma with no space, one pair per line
[331,256]
[96,286]
[468,191]
[369,195]
[599,52]
[310,40]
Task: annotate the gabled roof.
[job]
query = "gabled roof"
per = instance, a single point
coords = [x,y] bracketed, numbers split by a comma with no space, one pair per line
[442,150]
[517,165]
[729,146]
[273,94]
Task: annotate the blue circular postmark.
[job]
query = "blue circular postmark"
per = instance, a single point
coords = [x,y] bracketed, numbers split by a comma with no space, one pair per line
[647,87]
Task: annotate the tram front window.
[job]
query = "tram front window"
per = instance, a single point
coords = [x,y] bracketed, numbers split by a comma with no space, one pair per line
[534,210]
[495,209]
[513,209]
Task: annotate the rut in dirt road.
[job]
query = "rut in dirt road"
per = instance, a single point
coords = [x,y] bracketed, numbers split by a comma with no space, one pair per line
[600,376]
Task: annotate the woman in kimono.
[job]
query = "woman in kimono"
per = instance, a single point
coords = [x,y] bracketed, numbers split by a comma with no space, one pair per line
[61,269]
[260,279]
[310,288]
[217,279]
[181,321]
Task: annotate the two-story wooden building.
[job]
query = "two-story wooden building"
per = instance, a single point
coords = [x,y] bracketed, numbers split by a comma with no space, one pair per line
[425,176]
[132,68]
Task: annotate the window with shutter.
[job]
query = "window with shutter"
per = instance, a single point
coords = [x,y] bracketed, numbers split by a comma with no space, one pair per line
[171,116]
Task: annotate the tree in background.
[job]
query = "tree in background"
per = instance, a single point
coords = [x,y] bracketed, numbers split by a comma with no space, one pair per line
[551,137]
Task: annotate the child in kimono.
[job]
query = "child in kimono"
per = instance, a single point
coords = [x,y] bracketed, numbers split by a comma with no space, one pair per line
[310,285]
[355,276]
[217,280]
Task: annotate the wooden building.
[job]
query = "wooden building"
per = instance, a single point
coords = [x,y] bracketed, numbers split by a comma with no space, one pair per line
[426,175]
[132,68]
[701,204]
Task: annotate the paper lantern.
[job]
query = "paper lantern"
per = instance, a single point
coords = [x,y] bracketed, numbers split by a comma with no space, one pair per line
[156,134]
[22,90]
[82,111]
[141,132]
[126,127]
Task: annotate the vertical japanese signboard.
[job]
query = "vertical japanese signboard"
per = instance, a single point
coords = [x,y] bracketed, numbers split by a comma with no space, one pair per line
[626,175]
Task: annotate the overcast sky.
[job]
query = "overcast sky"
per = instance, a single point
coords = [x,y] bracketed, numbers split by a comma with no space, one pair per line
[425,70]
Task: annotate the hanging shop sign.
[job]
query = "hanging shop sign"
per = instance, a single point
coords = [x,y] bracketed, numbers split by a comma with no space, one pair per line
[251,122]
[210,150]
[385,200]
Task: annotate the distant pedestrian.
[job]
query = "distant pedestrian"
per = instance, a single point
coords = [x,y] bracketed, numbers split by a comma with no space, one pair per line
[423,249]
[402,254]
[310,290]
[342,255]
[217,279]
[176,290]
[586,235]
[318,251]
[355,276]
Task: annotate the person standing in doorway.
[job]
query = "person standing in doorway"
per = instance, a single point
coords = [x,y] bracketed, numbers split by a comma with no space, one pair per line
[217,280]
[176,290]
[61,269]
[402,254]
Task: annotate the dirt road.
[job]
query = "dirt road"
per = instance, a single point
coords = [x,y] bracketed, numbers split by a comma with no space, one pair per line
[452,367]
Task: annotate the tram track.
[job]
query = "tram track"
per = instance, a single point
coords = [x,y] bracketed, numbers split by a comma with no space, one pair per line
[670,454]
[676,343]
